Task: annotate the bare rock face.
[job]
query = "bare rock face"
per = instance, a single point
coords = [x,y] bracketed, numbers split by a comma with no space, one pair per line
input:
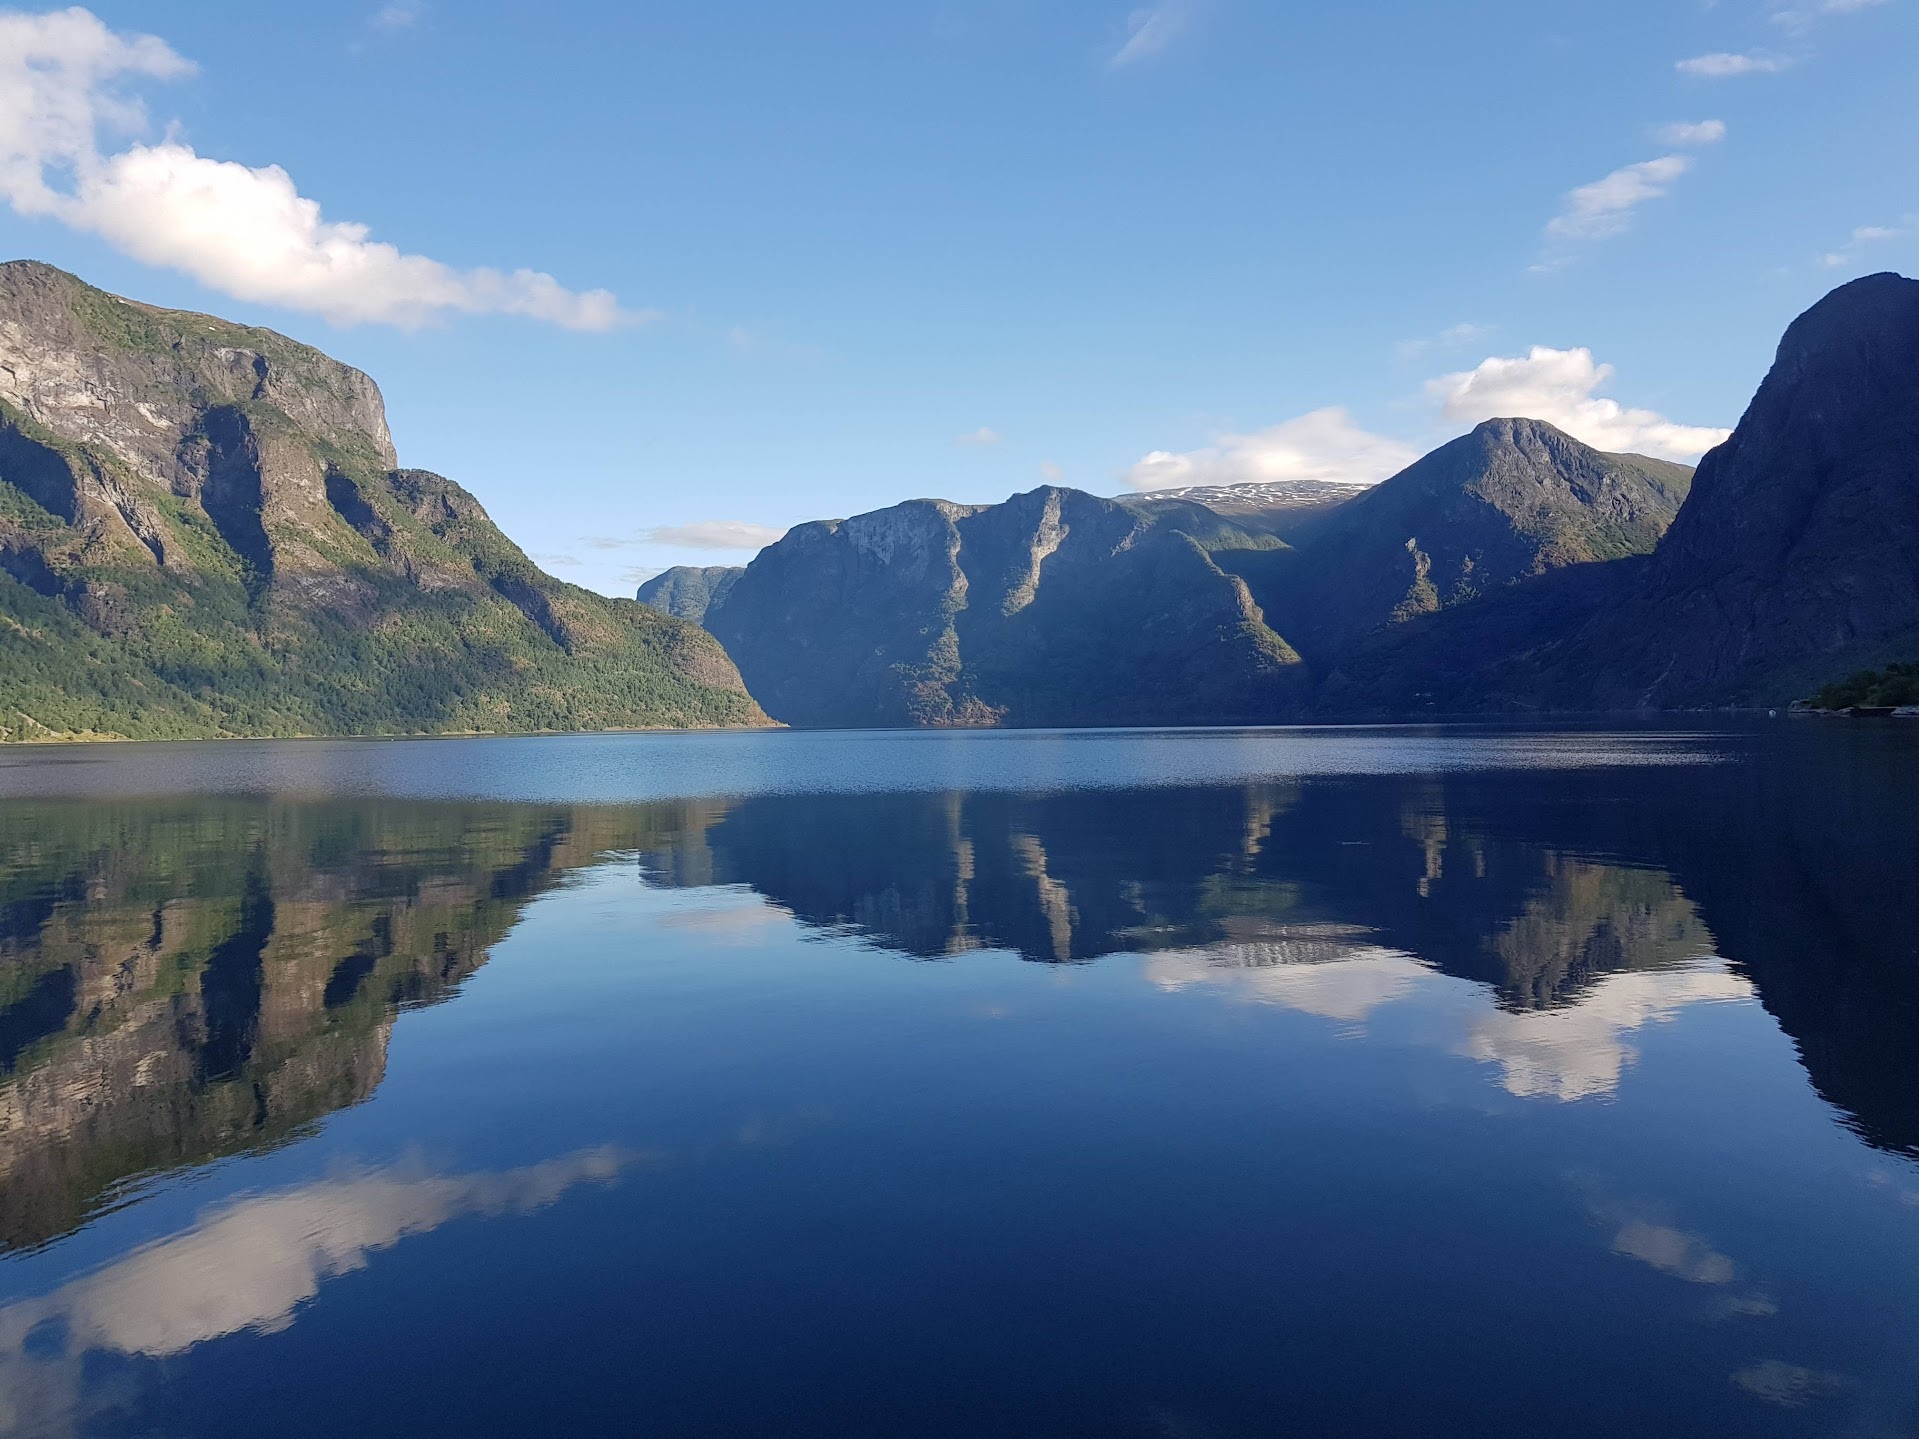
[222,506]
[136,379]
[1054,608]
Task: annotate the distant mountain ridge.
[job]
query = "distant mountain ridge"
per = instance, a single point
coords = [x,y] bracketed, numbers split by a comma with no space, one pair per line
[1276,506]
[1058,607]
[203,531]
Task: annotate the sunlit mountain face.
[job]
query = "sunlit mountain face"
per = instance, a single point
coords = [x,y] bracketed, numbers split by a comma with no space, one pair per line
[277,1070]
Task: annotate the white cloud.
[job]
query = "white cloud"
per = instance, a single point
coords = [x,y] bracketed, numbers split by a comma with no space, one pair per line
[1149,31]
[1323,445]
[1604,208]
[244,231]
[1558,386]
[981,436]
[1686,133]
[1051,471]
[1720,65]
[715,535]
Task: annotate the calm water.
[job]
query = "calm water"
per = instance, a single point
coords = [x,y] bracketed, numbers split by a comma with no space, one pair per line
[1395,1082]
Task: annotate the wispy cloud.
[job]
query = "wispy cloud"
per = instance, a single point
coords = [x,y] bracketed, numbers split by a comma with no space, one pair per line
[243,231]
[1451,338]
[1149,31]
[714,535]
[1722,64]
[1688,134]
[1605,207]
[1051,472]
[977,438]
[399,15]
[1797,19]
[1865,235]
[1324,444]
[1561,387]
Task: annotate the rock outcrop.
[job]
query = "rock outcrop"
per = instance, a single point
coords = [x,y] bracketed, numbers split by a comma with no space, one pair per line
[203,531]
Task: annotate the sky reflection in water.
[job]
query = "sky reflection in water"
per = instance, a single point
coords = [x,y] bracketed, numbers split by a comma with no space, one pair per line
[1504,1098]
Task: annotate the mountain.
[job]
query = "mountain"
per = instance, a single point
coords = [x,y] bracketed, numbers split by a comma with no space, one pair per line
[1797,558]
[1278,507]
[688,591]
[203,531]
[1054,608]
[1793,562]
[1512,500]
[1060,608]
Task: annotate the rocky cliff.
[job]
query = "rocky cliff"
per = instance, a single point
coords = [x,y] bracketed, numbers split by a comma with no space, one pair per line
[1053,608]
[203,531]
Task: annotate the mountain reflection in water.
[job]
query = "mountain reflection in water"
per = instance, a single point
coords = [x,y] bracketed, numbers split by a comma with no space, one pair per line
[181,980]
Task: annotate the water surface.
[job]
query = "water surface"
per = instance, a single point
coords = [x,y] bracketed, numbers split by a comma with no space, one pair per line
[1400,1081]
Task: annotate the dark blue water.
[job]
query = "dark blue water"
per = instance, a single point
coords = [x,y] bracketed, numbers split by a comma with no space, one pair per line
[1400,1082]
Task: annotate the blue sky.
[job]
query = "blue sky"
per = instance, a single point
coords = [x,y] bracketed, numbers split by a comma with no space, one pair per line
[807,260]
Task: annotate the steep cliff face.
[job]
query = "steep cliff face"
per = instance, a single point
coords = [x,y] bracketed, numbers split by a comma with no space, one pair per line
[202,531]
[1053,608]
[1512,500]
[1797,557]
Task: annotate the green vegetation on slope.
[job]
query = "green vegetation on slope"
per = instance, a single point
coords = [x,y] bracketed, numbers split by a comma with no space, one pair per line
[1896,684]
[220,545]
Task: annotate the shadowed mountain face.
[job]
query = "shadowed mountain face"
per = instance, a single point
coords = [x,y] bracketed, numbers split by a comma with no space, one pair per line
[1794,561]
[1053,608]
[1797,559]
[203,532]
